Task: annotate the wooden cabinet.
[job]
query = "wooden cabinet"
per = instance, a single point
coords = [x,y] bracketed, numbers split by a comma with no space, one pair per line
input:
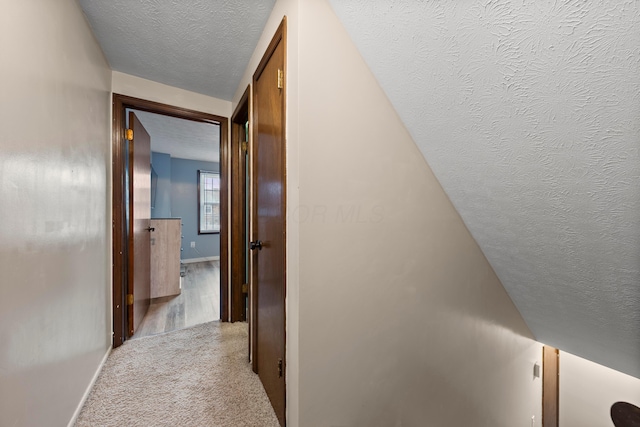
[165,257]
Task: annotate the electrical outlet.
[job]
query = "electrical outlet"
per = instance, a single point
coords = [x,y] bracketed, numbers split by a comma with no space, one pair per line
[193,244]
[533,421]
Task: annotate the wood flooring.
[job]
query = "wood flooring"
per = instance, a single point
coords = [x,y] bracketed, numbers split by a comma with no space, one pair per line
[198,303]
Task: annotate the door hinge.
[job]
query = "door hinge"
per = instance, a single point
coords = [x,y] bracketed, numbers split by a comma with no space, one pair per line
[129,299]
[280,79]
[279,368]
[129,134]
[244,146]
[245,288]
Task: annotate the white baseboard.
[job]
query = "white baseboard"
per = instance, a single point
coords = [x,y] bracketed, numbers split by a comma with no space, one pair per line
[74,418]
[207,258]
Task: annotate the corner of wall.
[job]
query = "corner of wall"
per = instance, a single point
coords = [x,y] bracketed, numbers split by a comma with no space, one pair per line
[87,392]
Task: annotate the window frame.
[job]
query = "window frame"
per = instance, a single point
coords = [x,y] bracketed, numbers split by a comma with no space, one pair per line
[200,205]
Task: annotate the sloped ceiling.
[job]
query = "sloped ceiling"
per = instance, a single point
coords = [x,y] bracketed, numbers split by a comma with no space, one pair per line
[528,112]
[199,45]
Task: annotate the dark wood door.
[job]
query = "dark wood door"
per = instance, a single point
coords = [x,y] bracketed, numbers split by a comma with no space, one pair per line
[139,285]
[269,223]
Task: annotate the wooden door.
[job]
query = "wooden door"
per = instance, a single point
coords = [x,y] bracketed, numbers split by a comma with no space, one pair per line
[139,283]
[268,222]
[550,386]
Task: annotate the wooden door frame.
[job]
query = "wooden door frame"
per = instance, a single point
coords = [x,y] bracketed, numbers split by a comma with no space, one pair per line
[237,194]
[120,251]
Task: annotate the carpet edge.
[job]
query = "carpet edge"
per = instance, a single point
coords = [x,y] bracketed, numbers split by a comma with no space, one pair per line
[87,392]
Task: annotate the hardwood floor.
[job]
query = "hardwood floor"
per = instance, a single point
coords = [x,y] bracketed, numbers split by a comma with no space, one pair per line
[199,302]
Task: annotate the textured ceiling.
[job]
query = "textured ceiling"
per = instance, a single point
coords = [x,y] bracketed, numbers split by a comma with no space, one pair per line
[183,139]
[528,112]
[199,45]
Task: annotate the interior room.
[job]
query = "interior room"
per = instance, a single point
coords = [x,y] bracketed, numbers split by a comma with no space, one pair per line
[182,152]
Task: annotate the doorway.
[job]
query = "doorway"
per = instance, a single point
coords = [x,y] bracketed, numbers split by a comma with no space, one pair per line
[123,249]
[184,222]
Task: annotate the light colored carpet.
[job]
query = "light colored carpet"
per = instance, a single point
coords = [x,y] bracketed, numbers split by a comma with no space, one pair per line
[198,376]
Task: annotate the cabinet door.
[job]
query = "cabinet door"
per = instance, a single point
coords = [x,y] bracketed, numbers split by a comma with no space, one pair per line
[165,258]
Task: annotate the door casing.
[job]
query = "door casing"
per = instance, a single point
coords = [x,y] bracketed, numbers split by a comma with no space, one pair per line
[120,236]
[239,234]
[550,386]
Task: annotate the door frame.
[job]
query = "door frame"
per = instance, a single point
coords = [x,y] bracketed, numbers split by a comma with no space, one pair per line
[550,386]
[120,251]
[239,236]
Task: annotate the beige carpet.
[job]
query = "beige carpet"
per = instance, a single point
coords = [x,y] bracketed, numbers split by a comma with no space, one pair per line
[193,377]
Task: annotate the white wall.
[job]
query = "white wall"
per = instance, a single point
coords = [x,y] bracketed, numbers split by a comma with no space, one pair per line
[402,321]
[587,391]
[55,316]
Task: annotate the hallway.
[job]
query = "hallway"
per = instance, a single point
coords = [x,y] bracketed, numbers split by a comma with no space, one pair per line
[461,189]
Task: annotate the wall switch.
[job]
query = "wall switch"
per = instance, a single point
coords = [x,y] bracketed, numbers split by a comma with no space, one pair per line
[533,421]
[536,370]
[193,244]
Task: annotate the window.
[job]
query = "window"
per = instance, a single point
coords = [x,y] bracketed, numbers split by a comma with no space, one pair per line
[208,202]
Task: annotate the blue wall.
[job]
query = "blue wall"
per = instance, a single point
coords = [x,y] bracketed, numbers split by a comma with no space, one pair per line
[184,204]
[177,197]
[161,163]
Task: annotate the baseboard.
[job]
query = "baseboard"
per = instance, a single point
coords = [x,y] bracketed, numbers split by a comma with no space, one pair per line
[74,418]
[207,258]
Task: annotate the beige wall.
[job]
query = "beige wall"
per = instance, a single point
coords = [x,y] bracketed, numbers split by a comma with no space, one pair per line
[401,319]
[137,87]
[587,391]
[54,237]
